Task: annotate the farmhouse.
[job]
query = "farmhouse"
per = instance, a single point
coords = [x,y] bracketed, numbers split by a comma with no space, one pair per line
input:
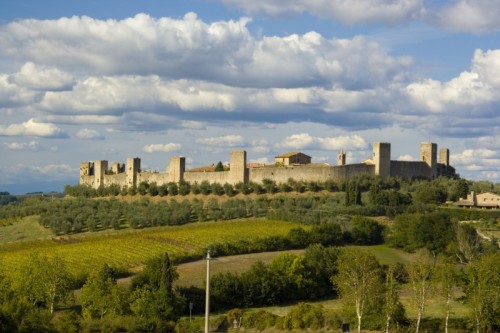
[481,200]
[292,158]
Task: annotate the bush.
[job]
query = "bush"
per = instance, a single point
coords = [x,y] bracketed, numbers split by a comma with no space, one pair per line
[259,320]
[304,316]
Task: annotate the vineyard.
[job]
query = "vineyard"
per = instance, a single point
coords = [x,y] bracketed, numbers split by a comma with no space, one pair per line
[127,250]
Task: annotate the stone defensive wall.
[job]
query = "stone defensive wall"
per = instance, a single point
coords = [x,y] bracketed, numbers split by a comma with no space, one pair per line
[411,169]
[130,174]
[281,174]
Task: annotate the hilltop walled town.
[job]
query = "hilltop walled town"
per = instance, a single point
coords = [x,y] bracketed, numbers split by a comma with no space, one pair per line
[293,165]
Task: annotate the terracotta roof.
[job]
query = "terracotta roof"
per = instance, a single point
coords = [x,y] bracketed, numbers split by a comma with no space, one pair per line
[290,154]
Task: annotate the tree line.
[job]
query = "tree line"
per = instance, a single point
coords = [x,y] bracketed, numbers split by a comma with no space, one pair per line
[370,294]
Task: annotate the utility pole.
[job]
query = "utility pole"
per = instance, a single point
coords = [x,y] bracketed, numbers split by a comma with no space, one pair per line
[207,295]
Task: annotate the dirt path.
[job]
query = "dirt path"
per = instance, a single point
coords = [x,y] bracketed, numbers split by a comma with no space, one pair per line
[194,273]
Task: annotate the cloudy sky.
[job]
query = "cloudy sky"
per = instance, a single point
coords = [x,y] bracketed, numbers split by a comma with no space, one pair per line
[90,80]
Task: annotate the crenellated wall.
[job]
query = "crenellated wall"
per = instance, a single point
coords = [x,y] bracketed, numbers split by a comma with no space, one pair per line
[96,173]
[309,172]
[411,169]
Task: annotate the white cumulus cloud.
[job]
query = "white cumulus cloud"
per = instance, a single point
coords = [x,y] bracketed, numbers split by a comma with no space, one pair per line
[33,128]
[465,105]
[475,16]
[88,134]
[472,156]
[42,78]
[406,157]
[305,140]
[32,145]
[223,141]
[162,147]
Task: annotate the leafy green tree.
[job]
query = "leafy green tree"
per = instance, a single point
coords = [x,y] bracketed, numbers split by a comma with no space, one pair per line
[468,243]
[219,167]
[44,281]
[352,193]
[205,187]
[284,188]
[321,262]
[433,231]
[217,189]
[393,309]
[142,188]
[153,189]
[244,188]
[430,193]
[214,211]
[366,231]
[184,187]
[459,190]
[173,189]
[101,296]
[330,185]
[358,280]
[229,190]
[294,275]
[269,185]
[420,273]
[257,188]
[153,293]
[313,186]
[482,292]
[163,190]
[447,279]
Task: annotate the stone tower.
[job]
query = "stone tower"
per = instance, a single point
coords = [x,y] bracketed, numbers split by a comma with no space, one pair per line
[444,156]
[428,154]
[341,157]
[176,169]
[382,158]
[100,168]
[117,168]
[133,168]
[238,171]
[86,169]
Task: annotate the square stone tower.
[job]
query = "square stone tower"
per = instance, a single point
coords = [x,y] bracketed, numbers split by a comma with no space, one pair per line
[100,168]
[428,154]
[341,157]
[444,156]
[133,168]
[382,159]
[176,169]
[238,171]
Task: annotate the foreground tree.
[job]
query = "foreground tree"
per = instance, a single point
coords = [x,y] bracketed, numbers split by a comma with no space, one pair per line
[44,281]
[393,309]
[468,243]
[153,295]
[483,292]
[358,280]
[419,275]
[101,296]
[447,279]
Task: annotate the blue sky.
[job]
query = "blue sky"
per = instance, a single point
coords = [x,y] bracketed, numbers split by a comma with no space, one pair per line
[89,80]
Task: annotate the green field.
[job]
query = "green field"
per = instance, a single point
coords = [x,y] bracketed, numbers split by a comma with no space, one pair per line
[129,248]
[24,229]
